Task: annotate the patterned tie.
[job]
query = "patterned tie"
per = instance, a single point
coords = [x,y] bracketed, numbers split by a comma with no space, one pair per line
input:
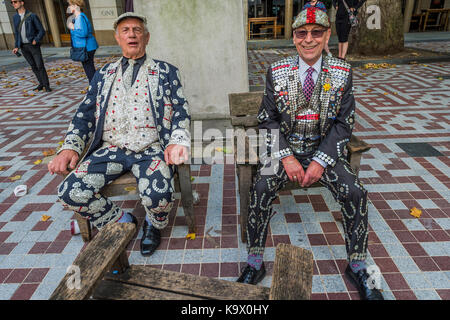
[128,74]
[308,85]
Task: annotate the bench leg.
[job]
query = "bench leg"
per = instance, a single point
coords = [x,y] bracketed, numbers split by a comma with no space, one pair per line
[355,161]
[85,227]
[245,181]
[187,200]
[121,263]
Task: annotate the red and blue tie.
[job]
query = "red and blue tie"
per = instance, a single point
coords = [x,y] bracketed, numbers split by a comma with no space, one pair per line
[308,85]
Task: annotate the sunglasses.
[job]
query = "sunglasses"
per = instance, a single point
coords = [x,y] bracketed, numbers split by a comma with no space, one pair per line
[302,34]
[12,2]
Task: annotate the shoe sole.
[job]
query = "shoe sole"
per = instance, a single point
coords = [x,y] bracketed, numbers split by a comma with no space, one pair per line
[355,283]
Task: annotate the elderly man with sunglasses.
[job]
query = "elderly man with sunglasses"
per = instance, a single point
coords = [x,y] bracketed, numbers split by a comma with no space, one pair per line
[308,113]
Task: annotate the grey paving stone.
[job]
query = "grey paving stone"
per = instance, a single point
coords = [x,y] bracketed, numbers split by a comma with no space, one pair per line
[413,224]
[435,248]
[193,256]
[396,250]
[7,290]
[405,264]
[317,286]
[417,281]
[321,253]
[438,279]
[174,257]
[427,295]
[227,255]
[312,228]
[333,283]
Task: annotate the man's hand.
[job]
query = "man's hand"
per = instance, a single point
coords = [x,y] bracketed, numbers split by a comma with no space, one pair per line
[352,9]
[313,174]
[176,154]
[62,160]
[15,50]
[34,42]
[293,169]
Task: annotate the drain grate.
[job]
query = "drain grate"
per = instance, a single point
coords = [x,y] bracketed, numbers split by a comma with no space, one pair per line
[419,149]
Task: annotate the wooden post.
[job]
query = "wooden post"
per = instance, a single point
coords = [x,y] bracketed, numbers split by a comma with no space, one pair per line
[50,8]
[288,13]
[292,273]
[187,200]
[245,182]
[85,227]
[408,13]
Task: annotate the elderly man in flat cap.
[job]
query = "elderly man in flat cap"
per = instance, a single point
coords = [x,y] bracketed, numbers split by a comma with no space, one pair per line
[133,118]
[308,109]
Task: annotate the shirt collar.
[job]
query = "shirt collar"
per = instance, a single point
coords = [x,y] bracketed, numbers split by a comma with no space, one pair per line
[139,61]
[303,66]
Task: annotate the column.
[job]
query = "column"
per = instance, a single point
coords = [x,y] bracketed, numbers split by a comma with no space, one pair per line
[103,13]
[288,13]
[50,8]
[408,13]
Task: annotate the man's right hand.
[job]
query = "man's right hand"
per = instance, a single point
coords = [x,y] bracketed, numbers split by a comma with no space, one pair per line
[15,50]
[293,169]
[67,158]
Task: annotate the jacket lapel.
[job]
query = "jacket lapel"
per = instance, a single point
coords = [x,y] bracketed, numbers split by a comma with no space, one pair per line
[153,81]
[110,74]
[325,92]
[293,88]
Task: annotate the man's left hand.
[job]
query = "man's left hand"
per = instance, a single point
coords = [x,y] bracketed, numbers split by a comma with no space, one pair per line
[176,154]
[313,174]
[34,42]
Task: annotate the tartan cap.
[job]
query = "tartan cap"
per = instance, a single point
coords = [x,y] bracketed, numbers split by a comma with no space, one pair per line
[311,16]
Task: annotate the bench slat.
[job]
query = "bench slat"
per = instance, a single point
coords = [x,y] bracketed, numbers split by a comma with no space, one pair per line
[292,273]
[114,290]
[98,257]
[188,284]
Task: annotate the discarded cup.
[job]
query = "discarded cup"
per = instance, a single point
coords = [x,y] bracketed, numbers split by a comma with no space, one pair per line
[20,191]
[74,228]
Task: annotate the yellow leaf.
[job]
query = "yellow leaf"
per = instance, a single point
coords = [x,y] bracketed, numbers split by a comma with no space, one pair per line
[48,152]
[415,212]
[38,162]
[192,178]
[2,168]
[226,150]
[190,236]
[15,178]
[219,149]
[45,217]
[129,189]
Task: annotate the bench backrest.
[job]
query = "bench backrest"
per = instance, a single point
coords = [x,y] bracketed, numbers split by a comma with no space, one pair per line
[244,107]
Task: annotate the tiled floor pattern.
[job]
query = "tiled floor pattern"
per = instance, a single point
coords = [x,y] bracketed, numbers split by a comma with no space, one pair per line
[405,104]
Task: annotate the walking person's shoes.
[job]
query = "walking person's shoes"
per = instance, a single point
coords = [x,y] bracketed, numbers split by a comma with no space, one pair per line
[252,276]
[38,88]
[361,280]
[47,89]
[150,239]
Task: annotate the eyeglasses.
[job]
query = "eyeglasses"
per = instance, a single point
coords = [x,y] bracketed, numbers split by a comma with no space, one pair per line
[316,33]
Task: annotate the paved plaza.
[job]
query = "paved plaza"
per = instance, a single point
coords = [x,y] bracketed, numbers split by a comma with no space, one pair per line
[396,107]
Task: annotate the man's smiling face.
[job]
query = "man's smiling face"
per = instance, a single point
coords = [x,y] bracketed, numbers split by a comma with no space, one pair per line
[310,45]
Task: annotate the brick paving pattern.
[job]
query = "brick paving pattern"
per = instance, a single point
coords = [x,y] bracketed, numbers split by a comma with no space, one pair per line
[407,104]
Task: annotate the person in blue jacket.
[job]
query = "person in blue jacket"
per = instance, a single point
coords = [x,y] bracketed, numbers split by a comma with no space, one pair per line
[81,34]
[28,39]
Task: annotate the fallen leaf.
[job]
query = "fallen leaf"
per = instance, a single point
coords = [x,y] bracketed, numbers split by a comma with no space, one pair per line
[190,236]
[15,178]
[18,118]
[48,152]
[192,178]
[2,168]
[38,161]
[45,217]
[415,212]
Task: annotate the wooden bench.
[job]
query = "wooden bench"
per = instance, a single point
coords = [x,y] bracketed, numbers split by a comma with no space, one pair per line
[126,185]
[243,110]
[292,275]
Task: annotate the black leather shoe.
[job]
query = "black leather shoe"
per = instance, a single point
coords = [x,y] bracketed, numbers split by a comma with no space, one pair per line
[47,89]
[38,88]
[150,239]
[360,279]
[252,276]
